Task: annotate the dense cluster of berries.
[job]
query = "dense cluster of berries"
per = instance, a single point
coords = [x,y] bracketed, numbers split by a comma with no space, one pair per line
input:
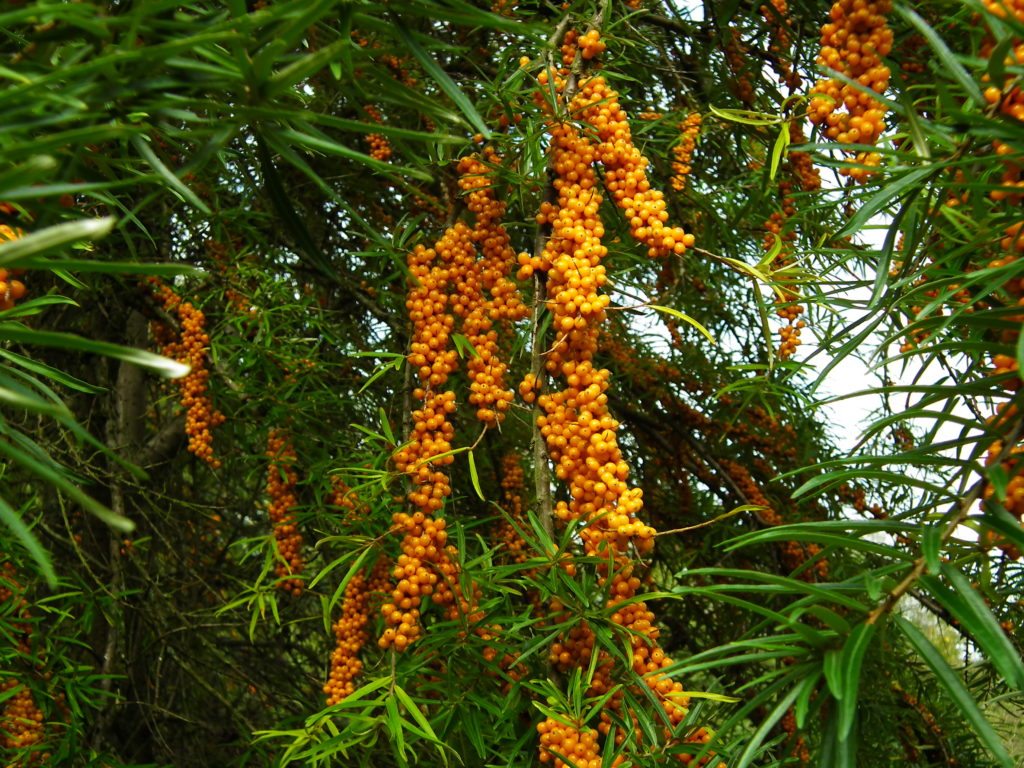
[485,295]
[21,720]
[776,14]
[575,744]
[625,176]
[449,281]
[424,556]
[799,169]
[575,422]
[225,257]
[798,745]
[281,481]
[853,44]
[1010,99]
[424,568]
[350,630]
[189,346]
[344,498]
[737,58]
[506,533]
[683,151]
[380,147]
[11,289]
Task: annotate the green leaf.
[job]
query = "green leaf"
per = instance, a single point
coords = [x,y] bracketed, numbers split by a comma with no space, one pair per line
[950,63]
[328,146]
[112,267]
[745,116]
[464,346]
[50,372]
[954,686]
[13,252]
[686,318]
[55,477]
[162,366]
[850,662]
[976,618]
[893,188]
[10,518]
[304,67]
[441,77]
[474,477]
[779,148]
[168,175]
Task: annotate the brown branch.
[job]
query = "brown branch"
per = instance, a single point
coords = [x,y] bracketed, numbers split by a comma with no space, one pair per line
[963,509]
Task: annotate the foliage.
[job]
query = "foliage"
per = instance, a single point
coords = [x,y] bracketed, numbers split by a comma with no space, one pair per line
[286,198]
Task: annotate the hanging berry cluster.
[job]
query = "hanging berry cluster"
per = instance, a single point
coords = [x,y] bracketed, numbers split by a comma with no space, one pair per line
[507,530]
[350,629]
[21,720]
[683,151]
[1010,100]
[380,147]
[449,281]
[799,169]
[853,44]
[576,424]
[281,481]
[776,14]
[189,346]
[737,57]
[11,289]
[485,294]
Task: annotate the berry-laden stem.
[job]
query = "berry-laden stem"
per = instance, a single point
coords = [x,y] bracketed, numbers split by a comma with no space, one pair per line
[281,481]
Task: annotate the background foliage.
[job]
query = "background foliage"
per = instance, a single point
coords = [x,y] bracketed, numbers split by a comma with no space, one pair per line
[274,164]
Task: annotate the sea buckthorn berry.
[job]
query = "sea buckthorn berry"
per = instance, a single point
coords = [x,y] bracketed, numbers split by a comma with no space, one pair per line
[282,479]
[189,346]
[11,290]
[350,630]
[853,44]
[575,422]
[682,152]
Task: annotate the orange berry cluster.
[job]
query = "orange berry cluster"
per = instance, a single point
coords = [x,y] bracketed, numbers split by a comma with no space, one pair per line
[777,16]
[380,147]
[1010,98]
[281,481]
[683,151]
[798,749]
[512,484]
[11,289]
[799,169]
[432,271]
[350,630]
[21,720]
[449,280]
[624,174]
[911,745]
[224,256]
[425,567]
[486,370]
[853,44]
[576,744]
[737,59]
[576,424]
[189,347]
[343,497]
[591,44]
